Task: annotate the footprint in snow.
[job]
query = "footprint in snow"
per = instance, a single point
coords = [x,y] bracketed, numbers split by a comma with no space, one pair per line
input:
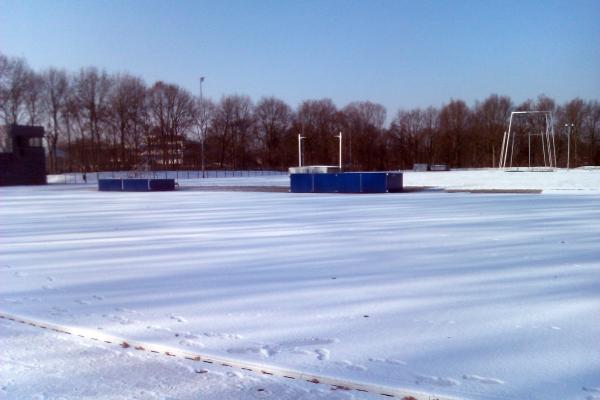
[83,302]
[350,365]
[220,335]
[235,374]
[436,380]
[159,328]
[323,354]
[125,310]
[262,351]
[387,361]
[305,352]
[178,319]
[187,335]
[191,343]
[59,310]
[119,319]
[483,379]
[20,274]
[309,342]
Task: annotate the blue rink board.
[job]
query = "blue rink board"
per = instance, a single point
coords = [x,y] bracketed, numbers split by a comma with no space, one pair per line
[348,182]
[135,185]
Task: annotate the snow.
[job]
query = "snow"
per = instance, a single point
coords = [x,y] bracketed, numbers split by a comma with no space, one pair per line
[38,364]
[478,296]
[558,180]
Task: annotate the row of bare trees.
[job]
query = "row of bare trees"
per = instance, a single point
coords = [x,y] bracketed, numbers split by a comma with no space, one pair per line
[97,121]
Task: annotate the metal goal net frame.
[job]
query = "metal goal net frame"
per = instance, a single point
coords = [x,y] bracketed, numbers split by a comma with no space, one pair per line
[546,135]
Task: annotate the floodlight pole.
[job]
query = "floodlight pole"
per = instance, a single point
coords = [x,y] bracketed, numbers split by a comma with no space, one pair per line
[300,138]
[202,118]
[340,156]
[529,147]
[569,129]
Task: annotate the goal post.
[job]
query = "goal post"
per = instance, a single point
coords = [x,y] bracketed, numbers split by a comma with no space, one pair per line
[546,135]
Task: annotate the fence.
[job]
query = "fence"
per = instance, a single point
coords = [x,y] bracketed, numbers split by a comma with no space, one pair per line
[92,177]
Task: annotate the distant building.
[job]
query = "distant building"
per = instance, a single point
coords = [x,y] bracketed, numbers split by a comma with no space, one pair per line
[22,156]
[162,151]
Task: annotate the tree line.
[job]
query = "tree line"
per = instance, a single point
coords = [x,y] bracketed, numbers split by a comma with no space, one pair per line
[96,121]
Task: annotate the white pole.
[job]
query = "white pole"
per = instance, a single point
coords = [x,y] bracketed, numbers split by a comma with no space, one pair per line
[552,162]
[500,162]
[548,144]
[507,141]
[300,137]
[202,117]
[543,148]
[553,142]
[529,142]
[569,129]
[340,152]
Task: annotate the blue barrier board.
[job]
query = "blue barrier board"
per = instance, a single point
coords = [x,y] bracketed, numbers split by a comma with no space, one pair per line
[135,185]
[373,182]
[349,182]
[301,183]
[110,185]
[325,183]
[162,184]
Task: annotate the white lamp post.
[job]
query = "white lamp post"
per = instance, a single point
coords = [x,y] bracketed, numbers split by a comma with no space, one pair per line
[570,128]
[340,156]
[202,118]
[300,138]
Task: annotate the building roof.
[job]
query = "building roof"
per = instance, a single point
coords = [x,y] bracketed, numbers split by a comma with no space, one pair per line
[25,131]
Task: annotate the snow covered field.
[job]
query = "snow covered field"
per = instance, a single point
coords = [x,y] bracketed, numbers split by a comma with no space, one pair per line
[72,368]
[487,296]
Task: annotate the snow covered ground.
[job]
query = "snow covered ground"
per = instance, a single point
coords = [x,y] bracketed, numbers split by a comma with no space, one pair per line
[579,180]
[487,296]
[38,365]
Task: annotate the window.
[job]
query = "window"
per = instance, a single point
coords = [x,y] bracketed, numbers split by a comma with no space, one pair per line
[5,143]
[35,142]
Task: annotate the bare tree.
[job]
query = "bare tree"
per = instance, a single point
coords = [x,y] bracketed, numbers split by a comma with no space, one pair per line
[171,111]
[91,92]
[489,123]
[319,121]
[13,90]
[128,118]
[273,120]
[34,85]
[231,131]
[54,96]
[591,124]
[363,128]
[204,113]
[454,124]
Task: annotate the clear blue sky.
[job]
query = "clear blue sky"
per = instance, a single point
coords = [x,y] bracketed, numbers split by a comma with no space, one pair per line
[402,53]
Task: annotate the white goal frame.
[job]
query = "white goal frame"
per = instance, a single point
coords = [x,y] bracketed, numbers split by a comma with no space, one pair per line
[547,137]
